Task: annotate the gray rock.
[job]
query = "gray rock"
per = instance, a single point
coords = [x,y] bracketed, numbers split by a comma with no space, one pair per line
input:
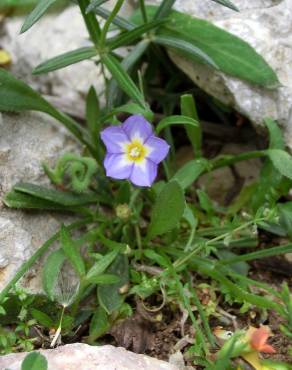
[267,26]
[26,140]
[78,355]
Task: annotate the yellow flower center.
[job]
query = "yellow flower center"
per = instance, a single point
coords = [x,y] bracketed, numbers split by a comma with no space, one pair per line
[136,151]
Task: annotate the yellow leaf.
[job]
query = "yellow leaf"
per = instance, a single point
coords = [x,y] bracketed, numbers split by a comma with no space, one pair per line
[5,58]
[253,359]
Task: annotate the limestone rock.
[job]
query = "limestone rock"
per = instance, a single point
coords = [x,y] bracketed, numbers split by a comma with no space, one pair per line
[26,140]
[78,355]
[267,26]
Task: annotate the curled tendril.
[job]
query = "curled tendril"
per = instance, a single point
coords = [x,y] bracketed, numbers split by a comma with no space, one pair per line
[73,170]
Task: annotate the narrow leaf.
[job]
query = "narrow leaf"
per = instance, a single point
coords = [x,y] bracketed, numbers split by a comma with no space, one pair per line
[64,60]
[168,209]
[16,96]
[228,4]
[71,251]
[56,196]
[101,265]
[93,113]
[104,279]
[119,21]
[164,9]
[187,47]
[36,14]
[188,108]
[94,4]
[176,120]
[123,79]
[128,37]
[16,199]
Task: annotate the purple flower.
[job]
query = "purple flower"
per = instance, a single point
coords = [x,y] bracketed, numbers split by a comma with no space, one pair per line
[133,151]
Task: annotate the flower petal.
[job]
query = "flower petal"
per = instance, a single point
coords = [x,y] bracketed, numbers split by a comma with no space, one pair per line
[143,174]
[114,138]
[136,127]
[117,166]
[158,148]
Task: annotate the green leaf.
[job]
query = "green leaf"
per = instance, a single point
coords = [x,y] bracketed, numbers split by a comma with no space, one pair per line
[190,172]
[56,196]
[15,199]
[17,3]
[168,209]
[128,37]
[109,296]
[164,9]
[176,120]
[186,47]
[123,79]
[99,324]
[188,108]
[228,4]
[119,21]
[94,4]
[275,134]
[131,108]
[93,113]
[16,96]
[285,213]
[51,271]
[231,54]
[64,60]
[71,251]
[101,265]
[34,361]
[36,14]
[104,279]
[42,318]
[282,161]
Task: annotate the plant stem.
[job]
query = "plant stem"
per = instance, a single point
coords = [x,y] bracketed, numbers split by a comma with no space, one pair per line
[229,160]
[90,21]
[183,260]
[143,11]
[108,22]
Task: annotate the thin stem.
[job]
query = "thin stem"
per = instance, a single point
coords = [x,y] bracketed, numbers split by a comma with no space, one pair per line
[143,11]
[91,22]
[109,21]
[183,260]
[229,160]
[138,239]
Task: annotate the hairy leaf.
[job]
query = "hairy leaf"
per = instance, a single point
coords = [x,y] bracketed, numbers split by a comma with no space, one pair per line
[168,209]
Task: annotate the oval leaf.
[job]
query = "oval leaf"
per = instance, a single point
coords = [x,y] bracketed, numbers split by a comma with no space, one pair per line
[34,361]
[51,271]
[282,161]
[168,209]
